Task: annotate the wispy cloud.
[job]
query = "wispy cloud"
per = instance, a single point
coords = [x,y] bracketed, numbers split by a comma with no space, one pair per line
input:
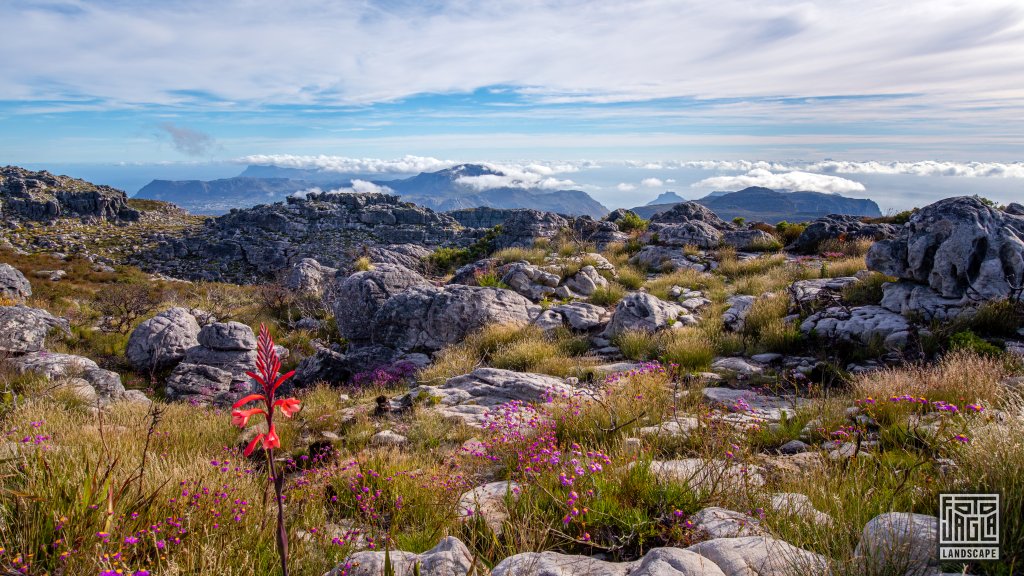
[795,181]
[187,140]
[346,165]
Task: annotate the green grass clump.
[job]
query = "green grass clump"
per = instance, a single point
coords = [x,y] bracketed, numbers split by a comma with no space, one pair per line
[608,295]
[866,291]
[630,278]
[534,256]
[638,344]
[690,348]
[971,342]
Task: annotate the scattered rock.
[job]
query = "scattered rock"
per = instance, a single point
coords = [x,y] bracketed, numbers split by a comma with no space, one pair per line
[706,475]
[582,316]
[861,324]
[24,329]
[14,287]
[309,277]
[642,311]
[90,381]
[586,281]
[900,543]
[796,504]
[529,280]
[228,336]
[735,316]
[835,226]
[388,438]
[736,365]
[761,556]
[449,558]
[488,502]
[722,523]
[162,341]
[657,562]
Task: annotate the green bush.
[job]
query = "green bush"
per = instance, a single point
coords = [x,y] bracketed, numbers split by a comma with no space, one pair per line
[608,295]
[867,291]
[631,221]
[971,342]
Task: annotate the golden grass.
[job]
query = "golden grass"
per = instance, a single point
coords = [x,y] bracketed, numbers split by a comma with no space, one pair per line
[959,377]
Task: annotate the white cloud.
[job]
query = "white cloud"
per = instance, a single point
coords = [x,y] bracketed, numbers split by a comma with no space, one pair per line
[652,182]
[802,181]
[625,187]
[358,186]
[346,165]
[921,168]
[532,175]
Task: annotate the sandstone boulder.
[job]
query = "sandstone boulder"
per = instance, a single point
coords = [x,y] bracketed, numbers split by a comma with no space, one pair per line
[14,287]
[162,341]
[362,294]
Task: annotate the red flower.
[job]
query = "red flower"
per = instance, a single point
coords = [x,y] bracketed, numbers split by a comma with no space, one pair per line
[270,439]
[289,406]
[241,417]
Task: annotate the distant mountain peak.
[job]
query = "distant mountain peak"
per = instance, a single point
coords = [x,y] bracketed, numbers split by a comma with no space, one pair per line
[667,198]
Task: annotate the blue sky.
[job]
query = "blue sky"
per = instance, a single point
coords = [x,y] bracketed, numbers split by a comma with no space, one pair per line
[195,83]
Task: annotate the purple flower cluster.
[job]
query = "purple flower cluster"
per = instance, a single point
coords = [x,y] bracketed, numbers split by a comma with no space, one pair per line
[385,376]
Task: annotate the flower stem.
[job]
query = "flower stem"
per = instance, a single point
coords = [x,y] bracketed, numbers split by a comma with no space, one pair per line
[282,534]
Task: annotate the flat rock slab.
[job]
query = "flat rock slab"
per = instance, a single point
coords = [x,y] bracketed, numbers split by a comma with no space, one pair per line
[449,558]
[488,502]
[471,395]
[722,523]
[706,475]
[657,562]
[770,408]
[760,556]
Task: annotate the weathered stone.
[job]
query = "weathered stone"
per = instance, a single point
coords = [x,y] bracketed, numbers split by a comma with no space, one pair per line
[770,408]
[309,277]
[24,329]
[449,558]
[362,294]
[735,316]
[162,341]
[691,212]
[14,287]
[657,562]
[860,324]
[428,318]
[583,316]
[488,503]
[528,280]
[523,227]
[664,259]
[228,336]
[959,247]
[721,523]
[586,281]
[471,395]
[796,504]
[762,556]
[836,226]
[642,311]
[386,438]
[750,239]
[900,543]
[735,365]
[103,385]
[198,383]
[920,300]
[807,292]
[696,233]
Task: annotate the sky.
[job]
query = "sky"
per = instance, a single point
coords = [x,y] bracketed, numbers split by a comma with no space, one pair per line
[898,95]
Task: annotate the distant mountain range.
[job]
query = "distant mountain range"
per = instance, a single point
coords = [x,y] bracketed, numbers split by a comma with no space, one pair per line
[772,206]
[449,189]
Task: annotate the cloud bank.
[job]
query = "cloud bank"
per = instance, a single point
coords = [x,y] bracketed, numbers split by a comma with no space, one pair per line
[532,175]
[345,165]
[795,181]
[922,168]
[356,186]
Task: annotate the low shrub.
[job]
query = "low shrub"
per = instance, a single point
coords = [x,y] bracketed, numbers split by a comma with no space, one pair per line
[608,295]
[867,291]
[970,342]
[630,222]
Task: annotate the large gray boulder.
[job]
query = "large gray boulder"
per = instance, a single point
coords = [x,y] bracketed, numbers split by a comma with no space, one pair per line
[836,226]
[449,558]
[697,233]
[642,311]
[428,317]
[691,212]
[959,247]
[361,295]
[861,324]
[162,341]
[749,239]
[735,317]
[309,277]
[582,316]
[665,259]
[227,336]
[900,543]
[523,227]
[24,329]
[84,376]
[199,384]
[14,287]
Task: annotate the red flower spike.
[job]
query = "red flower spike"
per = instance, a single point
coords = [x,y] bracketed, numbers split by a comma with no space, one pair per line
[252,445]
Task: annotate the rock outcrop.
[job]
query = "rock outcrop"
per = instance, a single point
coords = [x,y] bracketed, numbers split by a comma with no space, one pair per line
[81,375]
[14,287]
[163,340]
[361,295]
[24,329]
[523,227]
[41,196]
[334,229]
[861,324]
[839,226]
[642,311]
[959,248]
[214,371]
[427,317]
